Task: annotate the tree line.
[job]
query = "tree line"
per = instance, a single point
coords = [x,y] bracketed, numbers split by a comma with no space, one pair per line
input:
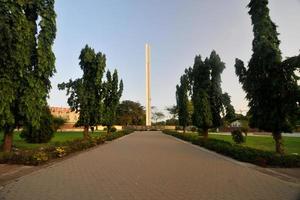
[27,62]
[199,97]
[95,100]
[269,81]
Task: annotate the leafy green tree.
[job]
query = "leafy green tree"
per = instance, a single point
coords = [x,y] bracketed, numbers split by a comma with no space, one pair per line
[172,122]
[28,30]
[156,115]
[202,116]
[215,93]
[173,110]
[130,113]
[229,114]
[182,102]
[86,93]
[112,94]
[270,83]
[204,85]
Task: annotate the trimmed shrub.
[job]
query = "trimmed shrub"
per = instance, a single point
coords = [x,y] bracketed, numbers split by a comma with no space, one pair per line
[238,152]
[57,150]
[41,134]
[57,122]
[194,129]
[113,129]
[237,136]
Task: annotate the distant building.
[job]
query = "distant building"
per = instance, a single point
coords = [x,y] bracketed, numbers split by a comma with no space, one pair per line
[65,113]
[236,124]
[71,118]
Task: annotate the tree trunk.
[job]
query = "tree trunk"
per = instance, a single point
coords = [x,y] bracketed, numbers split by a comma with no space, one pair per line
[184,129]
[108,129]
[278,142]
[205,133]
[8,141]
[86,132]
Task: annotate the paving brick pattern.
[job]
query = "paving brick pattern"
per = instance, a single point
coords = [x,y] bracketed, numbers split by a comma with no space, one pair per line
[148,166]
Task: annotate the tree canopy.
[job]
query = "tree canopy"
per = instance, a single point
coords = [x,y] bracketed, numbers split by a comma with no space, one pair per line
[182,102]
[215,95]
[202,83]
[130,113]
[28,30]
[86,93]
[112,94]
[270,83]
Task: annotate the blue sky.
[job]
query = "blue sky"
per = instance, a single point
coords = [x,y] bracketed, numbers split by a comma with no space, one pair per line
[177,30]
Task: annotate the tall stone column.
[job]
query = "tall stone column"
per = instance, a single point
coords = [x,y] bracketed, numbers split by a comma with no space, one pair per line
[148,87]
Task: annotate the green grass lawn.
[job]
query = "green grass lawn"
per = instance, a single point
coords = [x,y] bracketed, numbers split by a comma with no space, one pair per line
[291,144]
[58,137]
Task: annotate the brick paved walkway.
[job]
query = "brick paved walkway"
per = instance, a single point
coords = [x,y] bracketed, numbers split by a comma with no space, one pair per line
[148,165]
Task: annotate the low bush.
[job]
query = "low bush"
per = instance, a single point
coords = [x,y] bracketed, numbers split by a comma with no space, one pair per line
[193,128]
[237,136]
[41,133]
[57,122]
[57,150]
[113,129]
[239,152]
[115,135]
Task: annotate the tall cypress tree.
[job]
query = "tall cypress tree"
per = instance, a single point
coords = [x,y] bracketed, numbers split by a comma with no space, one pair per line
[208,100]
[26,62]
[270,84]
[215,93]
[202,116]
[112,93]
[86,93]
[229,113]
[182,102]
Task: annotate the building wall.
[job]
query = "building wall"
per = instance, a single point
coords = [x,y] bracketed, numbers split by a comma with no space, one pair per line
[71,118]
[66,113]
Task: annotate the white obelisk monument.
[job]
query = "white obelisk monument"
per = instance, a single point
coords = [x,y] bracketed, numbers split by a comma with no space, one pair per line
[148,87]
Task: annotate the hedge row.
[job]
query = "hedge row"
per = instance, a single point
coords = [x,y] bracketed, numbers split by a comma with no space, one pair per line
[57,150]
[241,153]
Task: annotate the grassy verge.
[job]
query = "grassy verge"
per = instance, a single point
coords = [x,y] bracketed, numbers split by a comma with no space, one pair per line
[19,143]
[291,144]
[64,143]
[240,152]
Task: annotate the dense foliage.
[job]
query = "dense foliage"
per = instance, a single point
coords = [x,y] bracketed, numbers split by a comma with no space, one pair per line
[202,82]
[239,152]
[60,149]
[49,124]
[95,101]
[112,94]
[41,134]
[86,93]
[237,136]
[28,30]
[229,112]
[270,83]
[202,116]
[130,113]
[58,122]
[182,102]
